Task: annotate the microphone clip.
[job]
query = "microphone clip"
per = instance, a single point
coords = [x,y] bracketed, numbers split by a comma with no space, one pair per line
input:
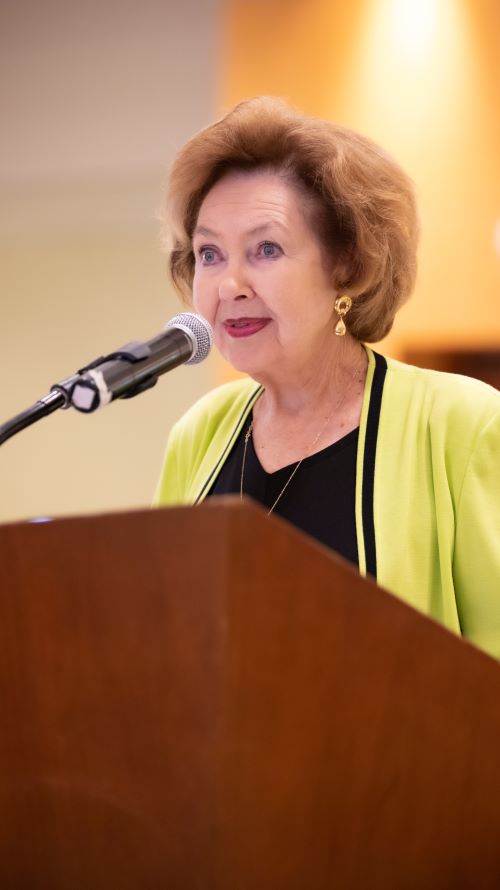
[132,352]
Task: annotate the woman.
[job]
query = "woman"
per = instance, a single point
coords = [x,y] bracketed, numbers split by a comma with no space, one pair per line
[297,241]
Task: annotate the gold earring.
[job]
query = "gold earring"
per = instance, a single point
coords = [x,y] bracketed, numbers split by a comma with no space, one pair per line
[342,306]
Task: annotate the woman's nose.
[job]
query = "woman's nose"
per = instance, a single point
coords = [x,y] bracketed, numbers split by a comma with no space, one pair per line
[235,286]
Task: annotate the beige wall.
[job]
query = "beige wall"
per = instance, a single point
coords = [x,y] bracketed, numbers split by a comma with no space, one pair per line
[95,100]
[422,79]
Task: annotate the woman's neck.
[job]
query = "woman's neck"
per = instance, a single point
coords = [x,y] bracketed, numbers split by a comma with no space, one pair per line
[306,391]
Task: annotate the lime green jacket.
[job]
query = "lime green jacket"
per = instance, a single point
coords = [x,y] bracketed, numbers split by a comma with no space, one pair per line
[427,486]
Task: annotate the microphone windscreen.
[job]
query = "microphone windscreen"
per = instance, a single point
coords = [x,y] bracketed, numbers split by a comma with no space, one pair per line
[199,332]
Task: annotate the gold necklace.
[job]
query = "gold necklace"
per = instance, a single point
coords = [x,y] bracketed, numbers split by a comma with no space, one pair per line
[309,451]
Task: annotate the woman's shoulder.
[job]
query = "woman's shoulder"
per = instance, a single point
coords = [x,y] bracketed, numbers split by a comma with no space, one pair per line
[198,439]
[228,401]
[442,394]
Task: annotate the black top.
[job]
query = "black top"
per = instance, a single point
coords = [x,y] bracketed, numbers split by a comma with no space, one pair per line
[320,498]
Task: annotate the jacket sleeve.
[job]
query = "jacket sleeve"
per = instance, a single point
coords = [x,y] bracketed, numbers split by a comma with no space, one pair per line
[169,489]
[477,542]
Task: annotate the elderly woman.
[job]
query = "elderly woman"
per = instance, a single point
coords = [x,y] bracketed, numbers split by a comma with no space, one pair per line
[297,240]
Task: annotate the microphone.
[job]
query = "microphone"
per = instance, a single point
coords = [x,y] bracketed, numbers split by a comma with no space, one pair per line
[135,367]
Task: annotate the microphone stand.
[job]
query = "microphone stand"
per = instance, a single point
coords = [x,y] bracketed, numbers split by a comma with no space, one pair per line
[60,395]
[122,374]
[42,408]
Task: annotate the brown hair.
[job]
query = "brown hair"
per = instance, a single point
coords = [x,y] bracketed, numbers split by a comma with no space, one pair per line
[365,209]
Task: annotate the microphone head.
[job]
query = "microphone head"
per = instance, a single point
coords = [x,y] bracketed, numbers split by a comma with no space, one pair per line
[199,332]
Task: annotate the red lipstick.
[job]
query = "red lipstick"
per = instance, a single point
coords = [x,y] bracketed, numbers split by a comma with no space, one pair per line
[244,327]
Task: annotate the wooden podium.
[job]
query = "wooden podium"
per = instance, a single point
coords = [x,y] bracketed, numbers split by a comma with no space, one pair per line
[205,699]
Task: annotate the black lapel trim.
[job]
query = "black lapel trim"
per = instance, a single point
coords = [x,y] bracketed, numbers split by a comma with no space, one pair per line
[369,463]
[229,445]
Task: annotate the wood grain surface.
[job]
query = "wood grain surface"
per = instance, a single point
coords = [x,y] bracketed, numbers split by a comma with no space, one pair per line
[205,698]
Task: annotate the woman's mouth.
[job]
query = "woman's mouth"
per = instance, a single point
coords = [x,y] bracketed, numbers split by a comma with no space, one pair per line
[244,327]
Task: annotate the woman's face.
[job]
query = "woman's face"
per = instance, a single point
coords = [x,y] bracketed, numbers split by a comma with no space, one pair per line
[261,278]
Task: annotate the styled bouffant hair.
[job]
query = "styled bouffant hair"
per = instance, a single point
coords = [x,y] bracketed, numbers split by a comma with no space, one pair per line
[363,205]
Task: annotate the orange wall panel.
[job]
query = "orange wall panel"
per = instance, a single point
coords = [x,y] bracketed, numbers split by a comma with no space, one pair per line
[421,79]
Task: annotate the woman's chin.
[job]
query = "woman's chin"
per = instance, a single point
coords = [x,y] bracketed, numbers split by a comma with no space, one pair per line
[245,358]
[242,366]
[252,368]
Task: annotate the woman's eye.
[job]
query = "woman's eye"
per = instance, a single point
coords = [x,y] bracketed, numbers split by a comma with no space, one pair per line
[208,255]
[269,249]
